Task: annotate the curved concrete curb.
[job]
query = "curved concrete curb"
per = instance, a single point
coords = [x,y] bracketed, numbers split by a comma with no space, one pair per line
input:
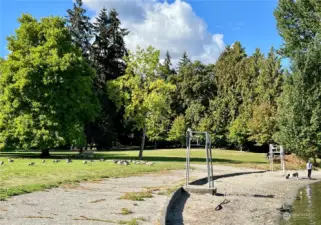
[173,207]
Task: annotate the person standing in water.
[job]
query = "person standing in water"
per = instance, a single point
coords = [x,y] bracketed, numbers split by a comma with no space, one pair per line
[309,168]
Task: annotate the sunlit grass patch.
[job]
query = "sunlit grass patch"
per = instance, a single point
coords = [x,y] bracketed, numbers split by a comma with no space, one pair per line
[125,211]
[136,196]
[18,178]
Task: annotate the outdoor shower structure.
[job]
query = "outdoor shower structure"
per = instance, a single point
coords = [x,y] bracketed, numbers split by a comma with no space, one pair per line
[276,150]
[208,152]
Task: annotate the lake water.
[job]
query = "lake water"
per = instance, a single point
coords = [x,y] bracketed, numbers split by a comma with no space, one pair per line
[306,209]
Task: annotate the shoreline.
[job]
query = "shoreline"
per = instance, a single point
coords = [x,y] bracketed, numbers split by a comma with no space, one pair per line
[254,198]
[293,194]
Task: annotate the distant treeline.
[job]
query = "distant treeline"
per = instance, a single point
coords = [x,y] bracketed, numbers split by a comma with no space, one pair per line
[73,82]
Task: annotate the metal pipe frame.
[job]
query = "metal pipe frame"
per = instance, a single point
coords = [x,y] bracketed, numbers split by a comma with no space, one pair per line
[271,156]
[188,150]
[208,150]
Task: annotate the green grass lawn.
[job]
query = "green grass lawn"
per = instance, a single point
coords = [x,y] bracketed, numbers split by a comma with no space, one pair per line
[18,178]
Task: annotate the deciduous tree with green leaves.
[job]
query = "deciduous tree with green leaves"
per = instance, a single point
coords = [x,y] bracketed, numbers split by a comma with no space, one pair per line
[194,114]
[298,23]
[238,131]
[299,111]
[263,123]
[141,91]
[178,130]
[299,105]
[46,88]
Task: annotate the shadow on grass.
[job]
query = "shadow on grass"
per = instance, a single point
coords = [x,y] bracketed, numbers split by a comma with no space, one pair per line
[58,155]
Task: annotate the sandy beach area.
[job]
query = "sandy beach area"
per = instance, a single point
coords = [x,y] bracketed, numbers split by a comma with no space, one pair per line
[252,198]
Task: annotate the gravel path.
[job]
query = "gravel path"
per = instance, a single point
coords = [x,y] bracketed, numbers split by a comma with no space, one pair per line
[99,203]
[89,203]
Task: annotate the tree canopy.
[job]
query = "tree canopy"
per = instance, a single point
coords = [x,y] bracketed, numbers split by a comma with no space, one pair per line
[46,87]
[299,105]
[143,94]
[298,23]
[80,27]
[74,81]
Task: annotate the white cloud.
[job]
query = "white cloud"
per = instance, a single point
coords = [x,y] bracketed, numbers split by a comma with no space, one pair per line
[166,26]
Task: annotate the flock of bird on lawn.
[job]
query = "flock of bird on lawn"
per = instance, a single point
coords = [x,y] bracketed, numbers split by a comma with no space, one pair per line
[120,162]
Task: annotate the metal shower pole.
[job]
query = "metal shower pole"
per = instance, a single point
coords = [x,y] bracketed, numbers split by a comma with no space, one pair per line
[272,150]
[282,159]
[188,150]
[208,150]
[211,160]
[271,156]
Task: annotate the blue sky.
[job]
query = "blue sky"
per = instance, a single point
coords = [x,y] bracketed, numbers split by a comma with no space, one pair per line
[249,21]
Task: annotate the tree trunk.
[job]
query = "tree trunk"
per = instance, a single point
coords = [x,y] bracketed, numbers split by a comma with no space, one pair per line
[182,143]
[142,144]
[45,153]
[155,145]
[314,159]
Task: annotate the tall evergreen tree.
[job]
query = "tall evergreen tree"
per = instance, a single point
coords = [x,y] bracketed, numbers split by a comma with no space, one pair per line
[244,95]
[168,62]
[269,83]
[183,61]
[117,49]
[108,51]
[100,48]
[80,27]
[253,71]
[259,85]
[225,107]
[267,89]
[166,67]
[109,46]
[195,84]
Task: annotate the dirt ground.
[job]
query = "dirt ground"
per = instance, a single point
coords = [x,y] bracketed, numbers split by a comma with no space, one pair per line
[89,203]
[253,199]
[100,203]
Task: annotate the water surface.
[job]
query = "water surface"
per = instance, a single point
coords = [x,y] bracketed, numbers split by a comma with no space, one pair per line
[306,209]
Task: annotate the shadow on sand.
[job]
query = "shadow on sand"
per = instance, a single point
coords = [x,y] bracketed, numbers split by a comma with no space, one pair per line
[174,215]
[204,180]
